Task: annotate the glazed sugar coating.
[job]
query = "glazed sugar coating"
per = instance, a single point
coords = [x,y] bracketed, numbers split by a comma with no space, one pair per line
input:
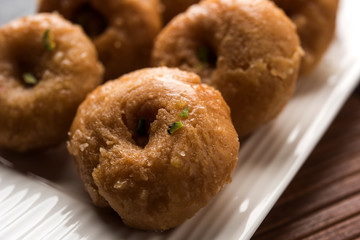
[123,31]
[158,180]
[315,21]
[247,49]
[39,115]
[171,8]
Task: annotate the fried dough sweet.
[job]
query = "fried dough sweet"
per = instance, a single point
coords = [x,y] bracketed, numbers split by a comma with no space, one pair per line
[123,31]
[315,22]
[247,49]
[156,145]
[47,66]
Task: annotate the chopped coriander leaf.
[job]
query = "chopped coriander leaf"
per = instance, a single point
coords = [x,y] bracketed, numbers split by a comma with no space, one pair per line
[185,113]
[141,128]
[29,79]
[174,127]
[48,41]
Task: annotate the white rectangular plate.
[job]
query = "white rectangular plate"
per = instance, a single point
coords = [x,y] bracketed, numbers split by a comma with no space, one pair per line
[41,196]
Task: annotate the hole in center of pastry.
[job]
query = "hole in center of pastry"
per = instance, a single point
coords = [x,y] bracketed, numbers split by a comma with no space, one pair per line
[27,73]
[92,21]
[138,123]
[206,56]
[141,134]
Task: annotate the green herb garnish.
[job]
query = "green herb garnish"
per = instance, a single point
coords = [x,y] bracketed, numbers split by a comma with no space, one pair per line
[185,113]
[48,41]
[174,127]
[29,79]
[141,128]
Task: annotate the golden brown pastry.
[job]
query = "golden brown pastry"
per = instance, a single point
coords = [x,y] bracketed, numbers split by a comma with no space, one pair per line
[315,21]
[156,145]
[122,31]
[171,8]
[47,66]
[247,49]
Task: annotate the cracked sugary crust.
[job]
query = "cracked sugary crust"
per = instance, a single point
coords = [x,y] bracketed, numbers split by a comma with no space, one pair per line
[161,185]
[258,55]
[40,116]
[315,22]
[126,43]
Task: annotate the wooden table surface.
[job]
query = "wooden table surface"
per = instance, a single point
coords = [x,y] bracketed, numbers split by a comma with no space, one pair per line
[323,200]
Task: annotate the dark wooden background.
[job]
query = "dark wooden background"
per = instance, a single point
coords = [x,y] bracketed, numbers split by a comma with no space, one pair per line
[323,200]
